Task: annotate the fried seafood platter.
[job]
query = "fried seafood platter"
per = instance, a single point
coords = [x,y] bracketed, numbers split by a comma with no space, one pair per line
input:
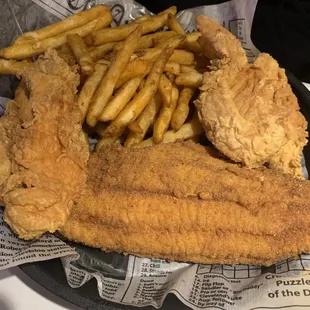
[198,152]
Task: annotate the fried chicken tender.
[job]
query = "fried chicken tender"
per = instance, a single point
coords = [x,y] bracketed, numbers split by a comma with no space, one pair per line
[47,152]
[8,124]
[181,202]
[248,111]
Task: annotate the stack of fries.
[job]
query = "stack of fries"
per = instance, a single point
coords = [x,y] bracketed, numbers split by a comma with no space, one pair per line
[137,83]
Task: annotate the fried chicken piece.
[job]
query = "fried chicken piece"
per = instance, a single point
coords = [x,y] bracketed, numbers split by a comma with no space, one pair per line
[248,111]
[178,201]
[7,126]
[44,144]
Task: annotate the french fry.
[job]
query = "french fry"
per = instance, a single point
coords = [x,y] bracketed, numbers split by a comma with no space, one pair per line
[173,67]
[142,18]
[179,56]
[174,25]
[100,51]
[163,121]
[145,120]
[120,33]
[149,54]
[141,85]
[104,62]
[193,46]
[66,54]
[182,109]
[186,69]
[139,102]
[13,67]
[105,90]
[183,57]
[187,131]
[112,55]
[171,10]
[191,42]
[147,40]
[121,98]
[25,50]
[67,24]
[174,42]
[165,90]
[133,138]
[89,88]
[81,54]
[138,67]
[106,141]
[111,34]
[133,69]
[189,79]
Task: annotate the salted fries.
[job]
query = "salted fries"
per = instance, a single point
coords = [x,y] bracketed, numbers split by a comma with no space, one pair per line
[138,82]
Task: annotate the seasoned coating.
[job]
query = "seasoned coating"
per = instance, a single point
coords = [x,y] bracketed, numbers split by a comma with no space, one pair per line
[182,202]
[249,111]
[45,148]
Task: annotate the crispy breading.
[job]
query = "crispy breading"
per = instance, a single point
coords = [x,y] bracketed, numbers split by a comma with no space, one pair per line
[47,153]
[179,201]
[248,111]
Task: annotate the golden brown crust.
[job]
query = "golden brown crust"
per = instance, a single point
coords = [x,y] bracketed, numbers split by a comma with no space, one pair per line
[47,155]
[176,201]
[249,111]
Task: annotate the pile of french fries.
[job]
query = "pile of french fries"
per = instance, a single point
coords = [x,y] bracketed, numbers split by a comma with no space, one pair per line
[137,81]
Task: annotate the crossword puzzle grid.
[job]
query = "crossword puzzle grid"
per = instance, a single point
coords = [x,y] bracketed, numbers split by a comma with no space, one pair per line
[246,271]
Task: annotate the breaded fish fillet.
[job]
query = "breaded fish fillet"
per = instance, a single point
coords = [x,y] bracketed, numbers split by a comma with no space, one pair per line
[181,202]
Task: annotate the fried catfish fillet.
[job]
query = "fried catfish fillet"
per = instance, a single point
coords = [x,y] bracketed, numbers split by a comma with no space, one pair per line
[248,111]
[44,145]
[180,202]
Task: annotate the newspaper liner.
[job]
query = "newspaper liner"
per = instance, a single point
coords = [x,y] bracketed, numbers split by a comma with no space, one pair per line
[130,280]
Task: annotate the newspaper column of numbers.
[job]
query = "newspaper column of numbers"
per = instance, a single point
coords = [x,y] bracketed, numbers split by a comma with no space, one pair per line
[153,278]
[195,291]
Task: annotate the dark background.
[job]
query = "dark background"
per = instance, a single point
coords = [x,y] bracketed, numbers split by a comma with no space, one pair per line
[280,28]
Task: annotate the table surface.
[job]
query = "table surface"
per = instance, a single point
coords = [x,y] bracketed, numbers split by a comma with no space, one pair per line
[19,292]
